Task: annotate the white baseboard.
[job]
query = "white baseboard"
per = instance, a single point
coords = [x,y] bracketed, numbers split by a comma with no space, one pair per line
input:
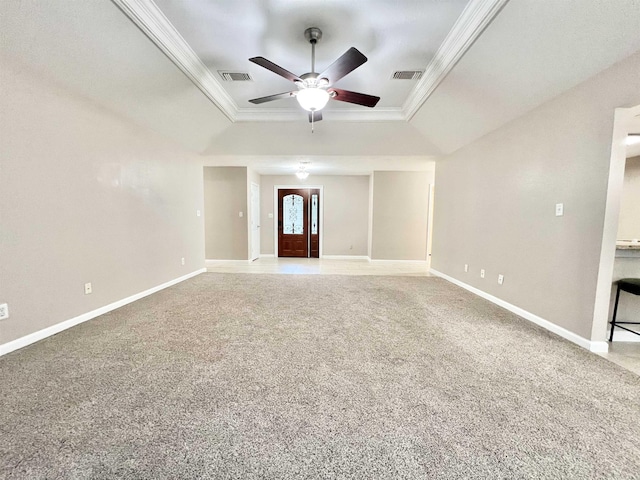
[59,327]
[267,255]
[346,257]
[596,347]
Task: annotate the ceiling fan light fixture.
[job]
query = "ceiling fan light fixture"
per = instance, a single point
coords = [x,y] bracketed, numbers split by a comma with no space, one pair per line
[312,99]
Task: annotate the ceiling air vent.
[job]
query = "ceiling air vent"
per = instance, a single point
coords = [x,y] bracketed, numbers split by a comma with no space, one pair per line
[235,76]
[407,75]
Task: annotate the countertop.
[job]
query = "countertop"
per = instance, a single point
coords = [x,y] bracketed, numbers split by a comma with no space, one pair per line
[627,245]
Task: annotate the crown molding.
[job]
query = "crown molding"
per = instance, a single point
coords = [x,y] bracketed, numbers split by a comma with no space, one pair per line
[146,15]
[340,115]
[476,16]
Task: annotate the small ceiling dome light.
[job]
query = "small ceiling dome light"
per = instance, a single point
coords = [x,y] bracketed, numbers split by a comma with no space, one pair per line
[312,98]
[302,173]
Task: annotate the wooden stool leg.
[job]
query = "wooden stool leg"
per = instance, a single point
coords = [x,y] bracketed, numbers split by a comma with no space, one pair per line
[615,312]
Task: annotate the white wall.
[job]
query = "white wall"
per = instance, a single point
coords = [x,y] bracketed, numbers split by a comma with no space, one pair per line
[495,198]
[86,196]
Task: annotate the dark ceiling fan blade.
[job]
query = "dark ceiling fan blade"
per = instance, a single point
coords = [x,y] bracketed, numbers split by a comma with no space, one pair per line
[348,62]
[315,116]
[271,98]
[263,62]
[354,97]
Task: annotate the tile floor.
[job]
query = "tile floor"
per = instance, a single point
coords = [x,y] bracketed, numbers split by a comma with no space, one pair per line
[625,354]
[315,266]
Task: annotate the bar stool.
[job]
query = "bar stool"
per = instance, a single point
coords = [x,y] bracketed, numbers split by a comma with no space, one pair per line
[630,285]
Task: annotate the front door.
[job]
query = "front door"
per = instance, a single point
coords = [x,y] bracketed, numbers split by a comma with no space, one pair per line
[299,222]
[293,222]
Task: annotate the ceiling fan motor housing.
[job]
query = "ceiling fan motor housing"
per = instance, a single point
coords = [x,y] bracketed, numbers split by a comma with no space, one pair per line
[313,34]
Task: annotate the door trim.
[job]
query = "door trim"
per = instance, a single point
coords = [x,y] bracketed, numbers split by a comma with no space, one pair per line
[275,212]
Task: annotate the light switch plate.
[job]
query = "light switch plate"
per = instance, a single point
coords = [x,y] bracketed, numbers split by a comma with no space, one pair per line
[482,273]
[500,279]
[240,214]
[4,311]
[271,215]
[466,267]
[559,209]
[88,289]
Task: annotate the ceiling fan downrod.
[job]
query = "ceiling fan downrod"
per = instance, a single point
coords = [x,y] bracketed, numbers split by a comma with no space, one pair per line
[313,34]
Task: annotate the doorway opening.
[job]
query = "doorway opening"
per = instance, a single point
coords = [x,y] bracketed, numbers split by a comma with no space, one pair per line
[298,223]
[616,259]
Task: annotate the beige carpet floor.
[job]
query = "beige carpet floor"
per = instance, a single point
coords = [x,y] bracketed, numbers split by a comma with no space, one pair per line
[274,376]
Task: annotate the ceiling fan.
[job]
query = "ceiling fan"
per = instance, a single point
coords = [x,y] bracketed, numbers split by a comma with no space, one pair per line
[315,89]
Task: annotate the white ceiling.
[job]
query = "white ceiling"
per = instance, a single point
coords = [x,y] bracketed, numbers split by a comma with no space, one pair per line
[532,51]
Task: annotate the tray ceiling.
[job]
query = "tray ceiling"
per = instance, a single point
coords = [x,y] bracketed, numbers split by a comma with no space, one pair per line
[206,39]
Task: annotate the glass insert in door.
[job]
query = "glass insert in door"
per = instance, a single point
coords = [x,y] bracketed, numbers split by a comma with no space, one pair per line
[314,214]
[293,206]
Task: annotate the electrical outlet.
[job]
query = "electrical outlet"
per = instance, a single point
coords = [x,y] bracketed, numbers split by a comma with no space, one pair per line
[482,273]
[240,214]
[4,311]
[87,289]
[559,209]
[270,215]
[500,279]
[182,260]
[466,267]
[197,213]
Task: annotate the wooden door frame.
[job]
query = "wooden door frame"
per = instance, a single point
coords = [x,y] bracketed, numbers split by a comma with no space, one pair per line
[275,210]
